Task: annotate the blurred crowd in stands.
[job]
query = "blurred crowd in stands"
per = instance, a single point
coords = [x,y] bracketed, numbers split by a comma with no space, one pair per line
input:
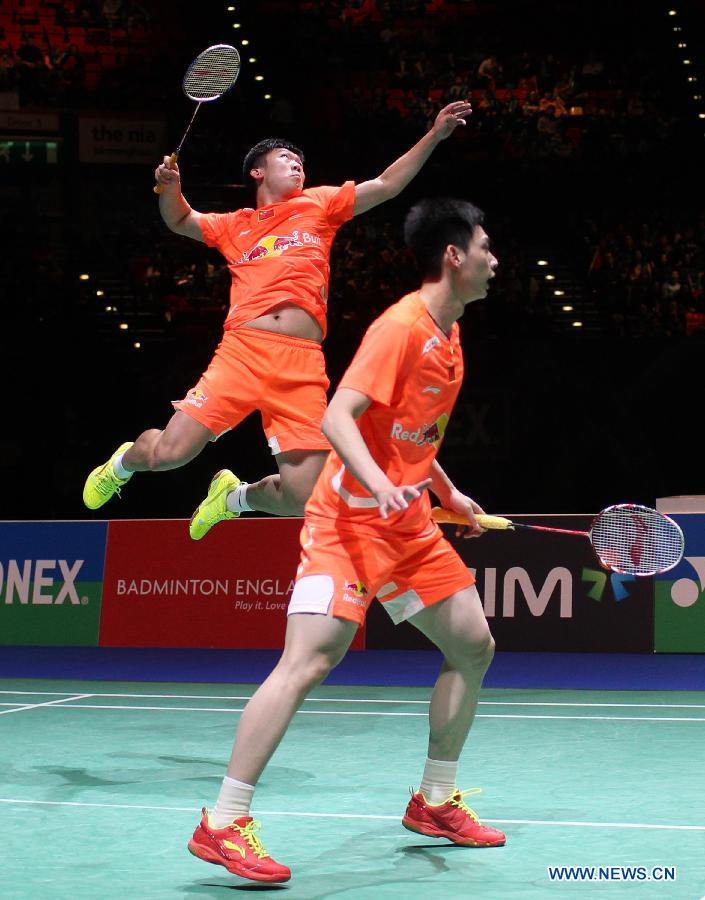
[649,276]
[544,93]
[387,64]
[72,53]
[543,86]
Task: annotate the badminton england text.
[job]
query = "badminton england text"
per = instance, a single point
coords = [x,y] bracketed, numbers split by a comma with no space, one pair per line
[205,587]
[611,873]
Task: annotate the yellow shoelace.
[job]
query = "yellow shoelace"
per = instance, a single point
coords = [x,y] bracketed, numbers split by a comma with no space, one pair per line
[248,832]
[217,510]
[105,481]
[217,515]
[457,800]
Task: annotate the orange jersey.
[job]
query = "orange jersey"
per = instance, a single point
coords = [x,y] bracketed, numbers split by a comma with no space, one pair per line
[412,373]
[280,253]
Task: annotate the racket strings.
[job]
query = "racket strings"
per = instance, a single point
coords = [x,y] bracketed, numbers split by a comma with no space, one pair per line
[636,540]
[212,73]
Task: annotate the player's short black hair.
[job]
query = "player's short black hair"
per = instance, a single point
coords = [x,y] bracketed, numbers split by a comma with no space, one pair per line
[432,224]
[259,151]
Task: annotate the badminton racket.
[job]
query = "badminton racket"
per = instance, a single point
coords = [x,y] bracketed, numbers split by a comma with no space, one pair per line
[627,538]
[210,75]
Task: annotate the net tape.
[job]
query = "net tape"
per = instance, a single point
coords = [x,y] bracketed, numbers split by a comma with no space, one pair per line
[636,540]
[212,73]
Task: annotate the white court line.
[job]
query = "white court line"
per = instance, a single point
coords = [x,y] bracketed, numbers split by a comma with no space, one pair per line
[236,709]
[394,702]
[219,697]
[595,718]
[588,705]
[215,697]
[53,703]
[357,815]
[330,712]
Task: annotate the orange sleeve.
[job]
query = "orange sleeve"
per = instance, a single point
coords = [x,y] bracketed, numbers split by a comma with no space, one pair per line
[215,227]
[379,362]
[338,202]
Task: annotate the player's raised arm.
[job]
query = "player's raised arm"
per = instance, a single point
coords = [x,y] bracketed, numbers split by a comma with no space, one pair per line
[395,177]
[173,207]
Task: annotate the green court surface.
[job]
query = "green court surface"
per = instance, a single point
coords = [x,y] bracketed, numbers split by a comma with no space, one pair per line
[102,784]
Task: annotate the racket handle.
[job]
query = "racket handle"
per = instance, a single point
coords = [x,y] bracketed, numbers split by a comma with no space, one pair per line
[438,514]
[160,188]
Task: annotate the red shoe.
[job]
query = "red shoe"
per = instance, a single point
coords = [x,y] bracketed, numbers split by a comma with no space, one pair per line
[238,848]
[453,820]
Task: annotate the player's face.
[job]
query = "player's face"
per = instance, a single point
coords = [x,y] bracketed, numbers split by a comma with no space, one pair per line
[282,172]
[477,267]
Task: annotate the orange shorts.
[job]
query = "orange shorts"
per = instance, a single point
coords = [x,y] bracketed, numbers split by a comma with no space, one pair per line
[342,571]
[282,377]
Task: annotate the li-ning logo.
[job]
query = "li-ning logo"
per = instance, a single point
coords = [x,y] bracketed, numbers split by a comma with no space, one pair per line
[430,344]
[425,434]
[231,846]
[598,578]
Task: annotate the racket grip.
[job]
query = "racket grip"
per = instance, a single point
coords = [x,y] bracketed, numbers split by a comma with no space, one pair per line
[160,188]
[438,514]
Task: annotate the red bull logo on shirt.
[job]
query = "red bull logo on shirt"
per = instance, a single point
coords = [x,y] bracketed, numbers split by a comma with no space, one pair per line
[425,434]
[196,398]
[271,245]
[357,587]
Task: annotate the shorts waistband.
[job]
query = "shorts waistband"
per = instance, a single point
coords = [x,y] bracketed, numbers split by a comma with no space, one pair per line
[272,337]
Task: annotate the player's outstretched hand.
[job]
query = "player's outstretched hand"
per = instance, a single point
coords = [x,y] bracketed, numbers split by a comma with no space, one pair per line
[167,173]
[397,499]
[450,117]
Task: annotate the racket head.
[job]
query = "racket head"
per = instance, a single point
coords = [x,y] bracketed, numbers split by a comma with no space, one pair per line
[212,73]
[636,540]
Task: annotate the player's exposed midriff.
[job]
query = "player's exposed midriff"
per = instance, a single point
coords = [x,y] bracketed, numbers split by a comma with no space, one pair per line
[288,318]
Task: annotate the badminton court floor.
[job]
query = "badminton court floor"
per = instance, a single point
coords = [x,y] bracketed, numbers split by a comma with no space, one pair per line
[102,783]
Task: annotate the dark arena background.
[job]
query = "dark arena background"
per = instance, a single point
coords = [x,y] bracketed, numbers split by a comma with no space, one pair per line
[583,388]
[585,150]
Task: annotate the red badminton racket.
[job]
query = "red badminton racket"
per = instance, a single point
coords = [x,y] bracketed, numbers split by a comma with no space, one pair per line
[627,538]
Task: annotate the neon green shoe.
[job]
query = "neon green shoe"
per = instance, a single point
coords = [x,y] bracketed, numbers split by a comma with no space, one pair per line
[215,507]
[102,483]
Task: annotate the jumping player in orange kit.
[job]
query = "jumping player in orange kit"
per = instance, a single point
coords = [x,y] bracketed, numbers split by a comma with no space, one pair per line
[270,357]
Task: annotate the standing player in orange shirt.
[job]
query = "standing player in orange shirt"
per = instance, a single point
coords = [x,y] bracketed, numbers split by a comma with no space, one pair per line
[368,532]
[270,356]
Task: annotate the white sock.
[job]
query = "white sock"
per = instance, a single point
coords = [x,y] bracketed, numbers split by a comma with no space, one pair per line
[438,782]
[237,499]
[118,468]
[233,802]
